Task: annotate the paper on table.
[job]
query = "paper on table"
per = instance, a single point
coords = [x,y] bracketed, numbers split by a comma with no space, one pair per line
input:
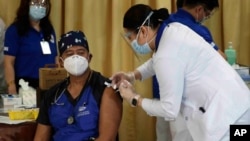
[6,120]
[5,109]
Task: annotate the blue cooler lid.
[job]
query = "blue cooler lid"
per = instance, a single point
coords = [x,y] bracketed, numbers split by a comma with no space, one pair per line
[245,77]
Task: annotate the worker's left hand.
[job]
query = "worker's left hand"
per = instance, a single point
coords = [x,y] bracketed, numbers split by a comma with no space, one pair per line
[127,90]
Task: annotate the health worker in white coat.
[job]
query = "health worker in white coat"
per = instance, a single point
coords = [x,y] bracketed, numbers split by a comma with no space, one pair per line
[194,80]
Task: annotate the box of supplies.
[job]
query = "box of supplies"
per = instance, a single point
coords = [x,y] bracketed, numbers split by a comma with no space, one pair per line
[242,71]
[49,76]
[7,100]
[246,79]
[28,95]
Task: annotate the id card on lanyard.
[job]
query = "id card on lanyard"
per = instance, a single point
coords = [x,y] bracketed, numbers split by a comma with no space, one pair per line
[45,46]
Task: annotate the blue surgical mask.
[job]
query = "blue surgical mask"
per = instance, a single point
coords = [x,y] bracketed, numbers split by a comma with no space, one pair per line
[141,49]
[204,17]
[37,12]
[203,20]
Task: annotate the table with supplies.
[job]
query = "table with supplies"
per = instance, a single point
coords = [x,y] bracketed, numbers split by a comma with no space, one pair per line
[16,130]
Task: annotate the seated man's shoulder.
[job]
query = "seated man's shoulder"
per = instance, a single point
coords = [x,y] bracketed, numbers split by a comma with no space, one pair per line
[98,79]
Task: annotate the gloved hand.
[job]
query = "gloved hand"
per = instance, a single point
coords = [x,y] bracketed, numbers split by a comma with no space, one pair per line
[118,77]
[127,91]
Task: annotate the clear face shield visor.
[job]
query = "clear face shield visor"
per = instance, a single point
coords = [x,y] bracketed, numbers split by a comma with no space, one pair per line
[127,36]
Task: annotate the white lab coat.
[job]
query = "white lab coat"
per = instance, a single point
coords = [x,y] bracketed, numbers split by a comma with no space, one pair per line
[195,81]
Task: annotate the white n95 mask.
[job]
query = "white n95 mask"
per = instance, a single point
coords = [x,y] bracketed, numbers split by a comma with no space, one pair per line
[76,65]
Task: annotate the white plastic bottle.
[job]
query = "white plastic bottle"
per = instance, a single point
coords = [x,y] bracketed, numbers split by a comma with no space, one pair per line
[231,54]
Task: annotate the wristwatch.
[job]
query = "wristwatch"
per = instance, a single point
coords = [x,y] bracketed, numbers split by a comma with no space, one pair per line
[134,101]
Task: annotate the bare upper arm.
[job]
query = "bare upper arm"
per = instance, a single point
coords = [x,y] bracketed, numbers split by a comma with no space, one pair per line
[43,133]
[110,115]
[8,59]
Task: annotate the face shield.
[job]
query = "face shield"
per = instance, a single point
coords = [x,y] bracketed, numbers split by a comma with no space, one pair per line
[130,36]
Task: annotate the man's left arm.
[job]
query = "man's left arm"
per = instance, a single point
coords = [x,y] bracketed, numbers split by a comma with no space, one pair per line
[110,115]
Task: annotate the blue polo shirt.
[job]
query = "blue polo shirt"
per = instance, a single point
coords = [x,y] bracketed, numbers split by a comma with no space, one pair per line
[187,19]
[27,51]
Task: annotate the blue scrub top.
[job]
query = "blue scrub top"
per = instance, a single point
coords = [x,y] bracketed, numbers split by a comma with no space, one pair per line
[57,106]
[85,116]
[28,52]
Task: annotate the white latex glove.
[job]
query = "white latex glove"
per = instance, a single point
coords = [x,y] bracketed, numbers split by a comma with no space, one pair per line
[118,77]
[127,91]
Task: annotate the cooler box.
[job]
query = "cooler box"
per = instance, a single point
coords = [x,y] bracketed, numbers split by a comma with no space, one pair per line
[7,100]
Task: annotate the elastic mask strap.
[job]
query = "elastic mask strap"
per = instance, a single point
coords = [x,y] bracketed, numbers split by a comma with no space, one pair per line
[148,17]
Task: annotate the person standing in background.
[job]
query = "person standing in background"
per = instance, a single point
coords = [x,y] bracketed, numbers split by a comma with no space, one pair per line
[193,13]
[30,43]
[2,32]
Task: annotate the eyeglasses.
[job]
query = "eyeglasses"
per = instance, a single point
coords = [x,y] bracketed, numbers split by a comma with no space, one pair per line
[42,3]
[208,12]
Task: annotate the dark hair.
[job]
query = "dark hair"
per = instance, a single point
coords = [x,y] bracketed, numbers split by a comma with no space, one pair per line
[210,4]
[179,3]
[23,23]
[136,14]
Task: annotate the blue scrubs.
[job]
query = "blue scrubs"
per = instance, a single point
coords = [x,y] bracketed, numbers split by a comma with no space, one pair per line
[57,106]
[85,114]
[187,19]
[28,52]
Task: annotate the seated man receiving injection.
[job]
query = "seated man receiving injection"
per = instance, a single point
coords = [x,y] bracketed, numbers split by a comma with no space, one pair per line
[82,107]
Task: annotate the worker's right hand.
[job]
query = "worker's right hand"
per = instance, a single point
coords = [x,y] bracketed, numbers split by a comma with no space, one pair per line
[118,77]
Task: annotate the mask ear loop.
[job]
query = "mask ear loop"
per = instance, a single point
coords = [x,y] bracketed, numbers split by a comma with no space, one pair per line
[147,18]
[148,29]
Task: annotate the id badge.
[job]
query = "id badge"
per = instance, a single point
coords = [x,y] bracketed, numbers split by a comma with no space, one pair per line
[45,47]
